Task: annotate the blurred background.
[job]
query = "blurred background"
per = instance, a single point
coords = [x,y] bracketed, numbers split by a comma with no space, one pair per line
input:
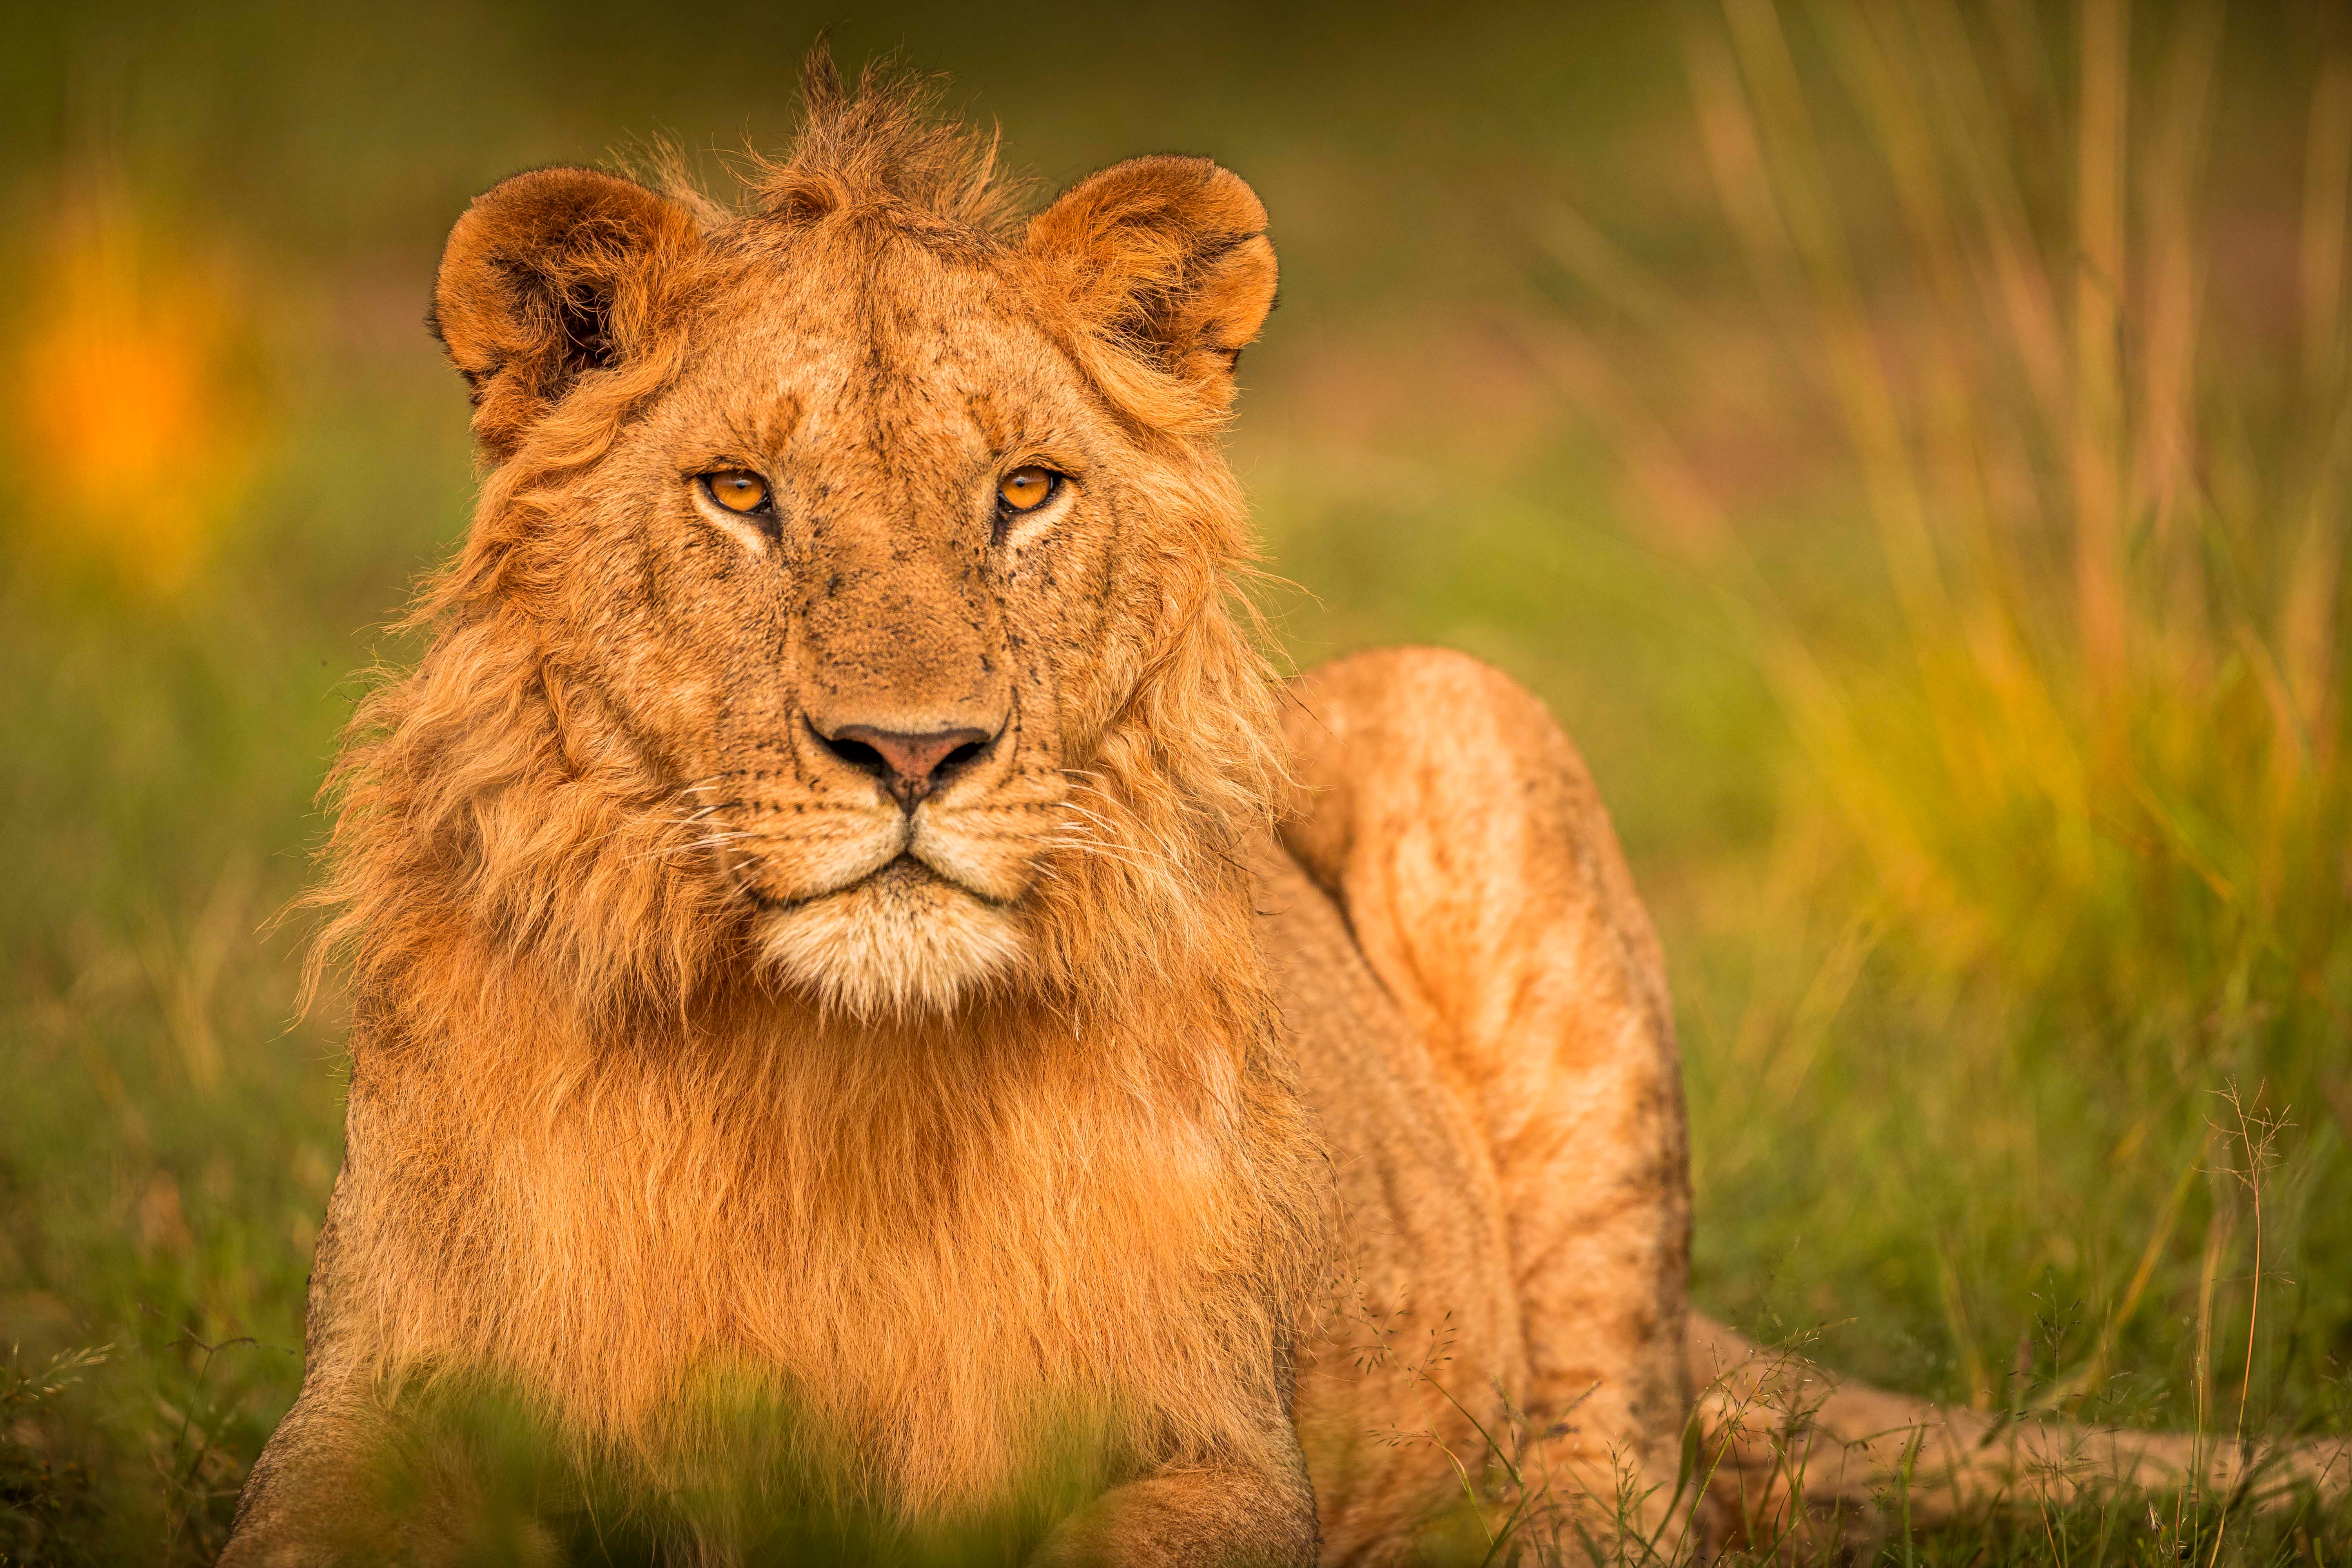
[1903,443]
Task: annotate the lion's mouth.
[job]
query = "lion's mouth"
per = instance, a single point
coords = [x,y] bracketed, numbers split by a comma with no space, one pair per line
[905,873]
[908,872]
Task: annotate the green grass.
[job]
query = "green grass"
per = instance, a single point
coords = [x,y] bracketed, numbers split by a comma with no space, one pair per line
[1716,401]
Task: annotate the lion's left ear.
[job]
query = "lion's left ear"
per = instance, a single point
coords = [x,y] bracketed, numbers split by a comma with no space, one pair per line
[1167,255]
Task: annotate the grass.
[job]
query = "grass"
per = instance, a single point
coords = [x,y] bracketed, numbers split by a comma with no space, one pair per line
[2090,783]
[1920,486]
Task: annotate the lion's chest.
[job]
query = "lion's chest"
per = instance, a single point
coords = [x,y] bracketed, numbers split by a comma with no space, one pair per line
[940,1302]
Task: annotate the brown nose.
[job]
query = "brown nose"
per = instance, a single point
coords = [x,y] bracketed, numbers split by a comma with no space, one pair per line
[909,766]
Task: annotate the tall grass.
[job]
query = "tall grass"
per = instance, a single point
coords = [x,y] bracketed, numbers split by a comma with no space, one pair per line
[2071,843]
[2106,761]
[2103,750]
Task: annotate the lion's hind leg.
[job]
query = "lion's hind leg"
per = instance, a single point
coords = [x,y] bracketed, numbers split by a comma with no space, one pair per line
[1456,826]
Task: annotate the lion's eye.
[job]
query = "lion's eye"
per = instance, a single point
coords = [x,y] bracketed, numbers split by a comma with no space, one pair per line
[1025,490]
[736,490]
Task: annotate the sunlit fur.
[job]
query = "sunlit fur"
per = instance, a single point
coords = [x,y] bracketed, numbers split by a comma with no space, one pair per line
[948,1168]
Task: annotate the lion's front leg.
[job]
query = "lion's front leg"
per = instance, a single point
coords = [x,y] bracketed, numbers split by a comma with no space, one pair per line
[311,1497]
[1217,1517]
[1457,826]
[339,1481]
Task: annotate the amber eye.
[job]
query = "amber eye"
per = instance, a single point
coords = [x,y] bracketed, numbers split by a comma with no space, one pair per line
[736,490]
[1025,490]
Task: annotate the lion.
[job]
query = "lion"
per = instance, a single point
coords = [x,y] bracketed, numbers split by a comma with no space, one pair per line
[845,904]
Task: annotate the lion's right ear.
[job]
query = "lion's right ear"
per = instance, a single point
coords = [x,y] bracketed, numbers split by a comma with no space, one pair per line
[549,276]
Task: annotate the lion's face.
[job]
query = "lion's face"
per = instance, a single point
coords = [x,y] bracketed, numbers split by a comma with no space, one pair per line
[864,677]
[836,522]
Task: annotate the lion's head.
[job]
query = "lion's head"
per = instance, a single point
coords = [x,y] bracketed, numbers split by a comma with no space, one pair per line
[849,598]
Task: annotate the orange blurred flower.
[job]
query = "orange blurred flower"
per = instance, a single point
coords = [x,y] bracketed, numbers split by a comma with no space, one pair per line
[138,424]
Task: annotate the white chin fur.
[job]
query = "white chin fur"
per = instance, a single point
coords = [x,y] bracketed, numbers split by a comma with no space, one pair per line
[901,940]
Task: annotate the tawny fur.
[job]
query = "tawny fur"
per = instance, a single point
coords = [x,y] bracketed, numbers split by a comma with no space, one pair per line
[1264,1097]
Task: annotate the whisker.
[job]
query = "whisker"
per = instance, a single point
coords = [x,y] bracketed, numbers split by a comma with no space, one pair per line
[1115,855]
[713,841]
[1108,828]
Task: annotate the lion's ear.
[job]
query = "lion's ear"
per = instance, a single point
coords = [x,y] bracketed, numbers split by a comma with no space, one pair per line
[549,276]
[1168,256]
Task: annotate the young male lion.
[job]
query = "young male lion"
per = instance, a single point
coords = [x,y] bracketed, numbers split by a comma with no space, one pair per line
[842,901]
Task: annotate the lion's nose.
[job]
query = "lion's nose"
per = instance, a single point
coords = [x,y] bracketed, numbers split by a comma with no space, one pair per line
[911,766]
